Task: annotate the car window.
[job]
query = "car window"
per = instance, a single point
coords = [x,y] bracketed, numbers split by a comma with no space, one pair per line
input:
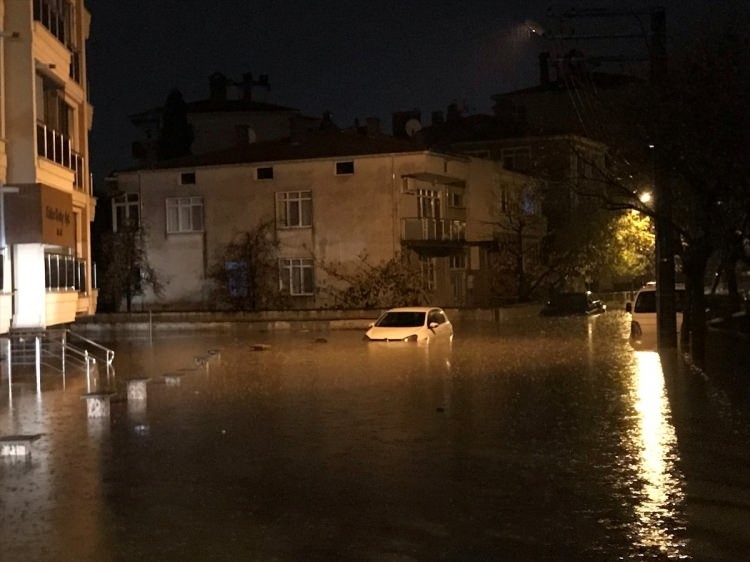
[401,320]
[436,316]
[646,301]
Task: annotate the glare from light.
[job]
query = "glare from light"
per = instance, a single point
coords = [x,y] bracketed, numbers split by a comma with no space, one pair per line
[645,197]
[656,443]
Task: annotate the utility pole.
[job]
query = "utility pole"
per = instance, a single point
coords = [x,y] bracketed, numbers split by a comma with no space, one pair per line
[666,319]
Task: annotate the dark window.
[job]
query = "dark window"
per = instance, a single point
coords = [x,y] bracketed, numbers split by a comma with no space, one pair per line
[187,178]
[344,168]
[264,173]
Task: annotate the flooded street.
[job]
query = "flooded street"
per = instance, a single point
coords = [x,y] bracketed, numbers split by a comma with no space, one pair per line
[551,439]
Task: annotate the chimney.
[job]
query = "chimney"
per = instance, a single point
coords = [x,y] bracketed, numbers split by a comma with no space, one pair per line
[544,68]
[247,86]
[218,87]
[373,126]
[453,113]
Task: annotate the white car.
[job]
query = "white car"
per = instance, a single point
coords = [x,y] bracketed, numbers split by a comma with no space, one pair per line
[411,324]
[643,313]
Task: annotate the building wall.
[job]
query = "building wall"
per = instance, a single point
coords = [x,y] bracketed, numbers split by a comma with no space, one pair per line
[354,216]
[52,184]
[215,131]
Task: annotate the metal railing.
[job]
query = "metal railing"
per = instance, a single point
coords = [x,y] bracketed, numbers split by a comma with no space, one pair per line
[64,273]
[428,229]
[55,146]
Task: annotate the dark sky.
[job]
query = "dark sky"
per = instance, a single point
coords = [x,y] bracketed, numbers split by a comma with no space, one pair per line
[355,58]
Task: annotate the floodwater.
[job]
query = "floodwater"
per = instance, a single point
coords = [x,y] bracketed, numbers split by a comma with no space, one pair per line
[549,439]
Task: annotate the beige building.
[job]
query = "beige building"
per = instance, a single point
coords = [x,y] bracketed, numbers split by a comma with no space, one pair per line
[332,197]
[47,204]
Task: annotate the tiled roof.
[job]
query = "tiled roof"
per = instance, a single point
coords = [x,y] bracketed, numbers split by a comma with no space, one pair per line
[315,144]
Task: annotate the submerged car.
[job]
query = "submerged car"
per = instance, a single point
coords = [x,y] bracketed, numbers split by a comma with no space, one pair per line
[411,324]
[643,312]
[566,304]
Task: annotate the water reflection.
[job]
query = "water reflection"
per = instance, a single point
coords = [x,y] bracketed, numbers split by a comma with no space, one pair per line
[654,437]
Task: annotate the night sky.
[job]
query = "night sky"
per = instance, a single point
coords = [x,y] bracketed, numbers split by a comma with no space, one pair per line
[355,58]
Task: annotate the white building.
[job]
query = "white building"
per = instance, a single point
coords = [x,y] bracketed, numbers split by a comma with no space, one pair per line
[47,202]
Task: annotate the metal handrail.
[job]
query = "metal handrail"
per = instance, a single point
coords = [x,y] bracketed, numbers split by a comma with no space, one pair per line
[110,354]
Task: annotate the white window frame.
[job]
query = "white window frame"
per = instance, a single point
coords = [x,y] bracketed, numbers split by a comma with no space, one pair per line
[290,209]
[292,276]
[131,203]
[180,214]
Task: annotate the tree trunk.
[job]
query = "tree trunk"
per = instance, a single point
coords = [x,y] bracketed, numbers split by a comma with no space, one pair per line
[695,259]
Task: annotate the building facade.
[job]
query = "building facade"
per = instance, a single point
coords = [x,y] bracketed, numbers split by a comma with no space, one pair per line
[46,202]
[332,197]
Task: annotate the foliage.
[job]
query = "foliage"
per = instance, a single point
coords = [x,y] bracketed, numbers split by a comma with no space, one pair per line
[126,272]
[395,282]
[176,135]
[246,273]
[630,252]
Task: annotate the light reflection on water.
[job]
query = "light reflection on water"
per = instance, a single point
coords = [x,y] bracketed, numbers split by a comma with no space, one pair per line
[655,439]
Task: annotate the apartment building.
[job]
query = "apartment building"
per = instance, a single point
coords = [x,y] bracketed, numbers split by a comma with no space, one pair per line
[46,202]
[332,197]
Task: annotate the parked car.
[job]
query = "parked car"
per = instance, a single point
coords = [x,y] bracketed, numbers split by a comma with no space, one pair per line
[411,324]
[566,304]
[643,312]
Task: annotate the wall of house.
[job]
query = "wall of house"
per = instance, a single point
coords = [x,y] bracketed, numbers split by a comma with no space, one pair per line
[354,216]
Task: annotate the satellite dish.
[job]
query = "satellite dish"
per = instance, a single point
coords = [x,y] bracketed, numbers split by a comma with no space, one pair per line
[412,126]
[251,136]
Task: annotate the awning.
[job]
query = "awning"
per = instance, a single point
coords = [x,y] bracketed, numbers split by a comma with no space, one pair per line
[431,177]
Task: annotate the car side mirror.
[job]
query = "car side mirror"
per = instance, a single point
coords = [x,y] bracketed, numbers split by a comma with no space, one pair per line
[370,325]
[628,307]
[433,325]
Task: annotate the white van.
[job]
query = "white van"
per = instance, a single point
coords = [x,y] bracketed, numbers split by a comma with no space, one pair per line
[643,313]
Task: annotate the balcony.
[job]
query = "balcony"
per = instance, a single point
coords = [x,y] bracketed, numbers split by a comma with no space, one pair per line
[428,230]
[64,273]
[57,147]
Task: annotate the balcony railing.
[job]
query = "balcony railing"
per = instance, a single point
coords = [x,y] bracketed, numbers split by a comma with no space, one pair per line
[64,273]
[57,147]
[425,229]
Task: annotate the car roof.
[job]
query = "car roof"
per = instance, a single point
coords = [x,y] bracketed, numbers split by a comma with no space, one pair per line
[650,287]
[414,309]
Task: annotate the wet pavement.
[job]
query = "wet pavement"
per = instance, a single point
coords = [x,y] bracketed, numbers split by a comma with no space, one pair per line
[551,439]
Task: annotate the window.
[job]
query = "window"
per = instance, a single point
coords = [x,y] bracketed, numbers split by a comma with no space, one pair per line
[237,279]
[126,210]
[344,168]
[428,201]
[504,200]
[294,209]
[187,178]
[457,199]
[479,153]
[518,158]
[57,17]
[427,268]
[296,276]
[184,214]
[458,261]
[265,173]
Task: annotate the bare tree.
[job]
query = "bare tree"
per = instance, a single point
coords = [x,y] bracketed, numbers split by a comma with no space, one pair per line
[246,271]
[127,271]
[394,282]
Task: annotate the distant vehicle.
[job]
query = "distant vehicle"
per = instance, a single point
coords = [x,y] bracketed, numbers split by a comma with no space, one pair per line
[643,312]
[421,324]
[569,304]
